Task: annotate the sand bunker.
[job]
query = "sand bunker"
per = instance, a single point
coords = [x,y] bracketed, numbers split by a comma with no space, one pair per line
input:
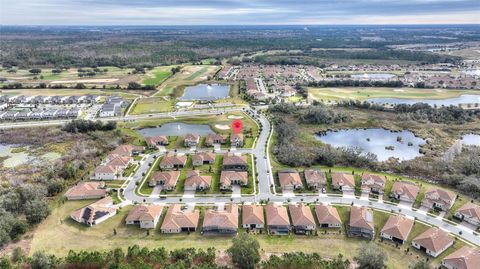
[398,90]
[96,80]
[235,117]
[222,127]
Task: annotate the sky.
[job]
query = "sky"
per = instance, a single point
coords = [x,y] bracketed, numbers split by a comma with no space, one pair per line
[237,12]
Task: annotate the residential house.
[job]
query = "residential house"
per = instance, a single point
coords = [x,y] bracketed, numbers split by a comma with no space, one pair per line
[373,183]
[172,161]
[315,179]
[343,182]
[95,213]
[86,190]
[229,178]
[191,140]
[213,139]
[327,216]
[278,222]
[221,221]
[128,150]
[154,141]
[119,162]
[105,172]
[177,220]
[361,222]
[290,180]
[464,258]
[252,217]
[470,213]
[433,241]
[302,218]
[405,191]
[167,179]
[236,140]
[194,181]
[203,158]
[146,216]
[234,162]
[397,228]
[438,199]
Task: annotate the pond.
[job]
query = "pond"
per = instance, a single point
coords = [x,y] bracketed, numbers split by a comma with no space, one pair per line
[471,140]
[177,129]
[462,99]
[205,92]
[373,76]
[12,159]
[404,145]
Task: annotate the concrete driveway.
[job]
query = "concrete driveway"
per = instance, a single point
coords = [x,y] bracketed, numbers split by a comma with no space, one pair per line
[236,191]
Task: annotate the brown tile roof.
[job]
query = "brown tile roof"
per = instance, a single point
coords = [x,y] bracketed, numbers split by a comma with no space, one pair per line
[327,214]
[407,189]
[470,209]
[252,214]
[234,159]
[214,138]
[343,179]
[86,189]
[192,137]
[236,137]
[144,213]
[373,180]
[398,226]
[361,217]
[195,179]
[434,193]
[169,178]
[464,258]
[177,219]
[226,177]
[276,214]
[289,178]
[204,156]
[126,150]
[95,210]
[301,215]
[226,219]
[104,169]
[313,176]
[433,239]
[155,140]
[173,160]
[119,161]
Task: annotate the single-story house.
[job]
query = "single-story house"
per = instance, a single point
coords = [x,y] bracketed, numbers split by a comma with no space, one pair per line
[433,241]
[328,216]
[194,181]
[167,179]
[86,190]
[95,213]
[278,222]
[373,183]
[315,179]
[252,217]
[289,180]
[234,162]
[213,139]
[397,228]
[236,140]
[361,222]
[120,162]
[221,221]
[302,218]
[470,213]
[172,161]
[105,172]
[440,199]
[128,150]
[464,258]
[154,141]
[229,178]
[191,140]
[405,191]
[343,182]
[203,158]
[146,216]
[177,220]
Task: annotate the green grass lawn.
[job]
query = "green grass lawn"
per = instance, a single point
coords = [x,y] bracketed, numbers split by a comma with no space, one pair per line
[152,105]
[197,73]
[158,75]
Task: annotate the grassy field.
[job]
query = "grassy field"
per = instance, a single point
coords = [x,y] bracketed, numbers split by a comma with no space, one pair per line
[158,75]
[68,92]
[152,105]
[335,94]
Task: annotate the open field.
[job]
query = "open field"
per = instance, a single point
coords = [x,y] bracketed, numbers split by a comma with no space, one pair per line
[68,92]
[335,94]
[158,75]
[189,75]
[152,105]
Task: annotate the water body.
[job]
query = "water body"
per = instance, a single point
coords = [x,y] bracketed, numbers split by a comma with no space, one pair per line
[462,99]
[373,76]
[12,159]
[205,92]
[471,140]
[177,129]
[375,140]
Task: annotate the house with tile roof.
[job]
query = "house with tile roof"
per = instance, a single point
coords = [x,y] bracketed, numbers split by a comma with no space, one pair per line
[105,172]
[373,183]
[315,179]
[167,179]
[252,217]
[221,221]
[343,182]
[95,213]
[203,158]
[397,228]
[191,140]
[438,199]
[230,178]
[404,191]
[278,222]
[195,181]
[464,258]
[128,150]
[177,220]
[302,219]
[86,190]
[361,222]
[213,139]
[145,215]
[290,180]
[470,213]
[154,141]
[234,162]
[433,241]
[173,161]
[236,140]
[327,216]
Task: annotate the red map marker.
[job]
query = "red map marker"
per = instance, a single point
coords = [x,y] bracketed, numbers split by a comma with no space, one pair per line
[237,126]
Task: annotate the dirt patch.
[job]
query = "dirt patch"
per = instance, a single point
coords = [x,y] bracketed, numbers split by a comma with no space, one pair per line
[96,80]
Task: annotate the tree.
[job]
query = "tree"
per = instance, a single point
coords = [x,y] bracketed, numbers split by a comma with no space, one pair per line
[370,257]
[35,71]
[36,210]
[40,260]
[134,86]
[421,265]
[245,251]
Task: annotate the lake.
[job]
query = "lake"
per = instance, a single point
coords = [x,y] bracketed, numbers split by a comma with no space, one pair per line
[471,140]
[205,92]
[462,99]
[375,140]
[177,129]
[373,76]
